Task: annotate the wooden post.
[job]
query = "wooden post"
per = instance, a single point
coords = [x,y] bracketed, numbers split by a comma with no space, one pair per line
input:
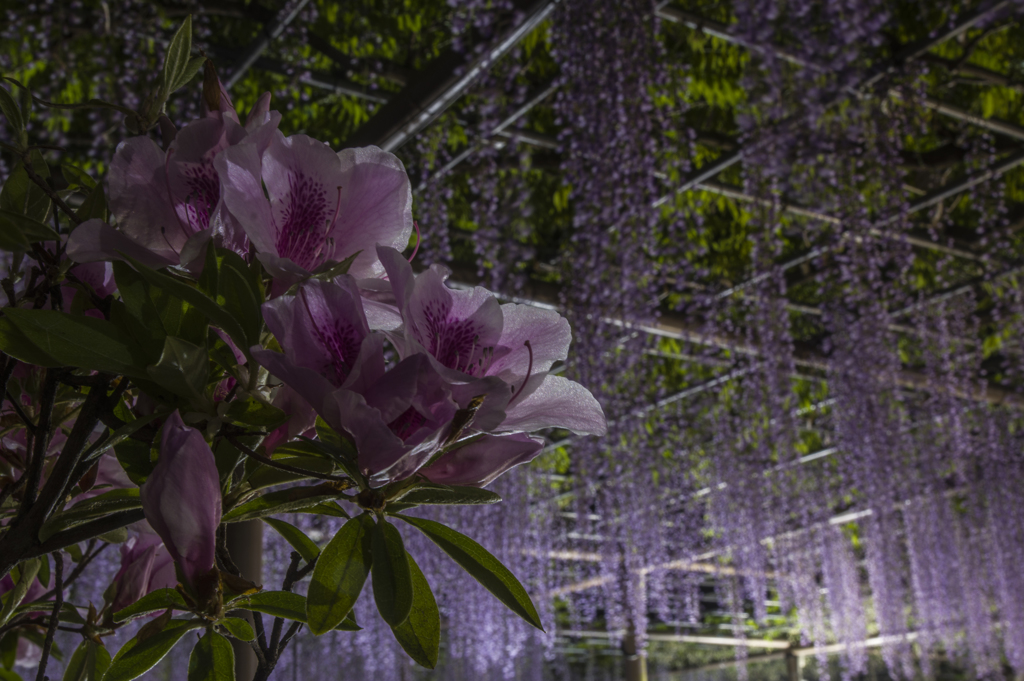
[245,544]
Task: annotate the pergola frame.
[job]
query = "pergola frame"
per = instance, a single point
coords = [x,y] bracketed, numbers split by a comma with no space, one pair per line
[428,94]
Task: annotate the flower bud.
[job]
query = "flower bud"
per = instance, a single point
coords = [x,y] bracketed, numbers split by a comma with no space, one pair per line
[181,498]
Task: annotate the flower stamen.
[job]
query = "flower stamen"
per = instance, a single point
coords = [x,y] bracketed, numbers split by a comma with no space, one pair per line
[529,371]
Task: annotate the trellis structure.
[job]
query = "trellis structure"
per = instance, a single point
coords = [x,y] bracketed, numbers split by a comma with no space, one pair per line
[414,100]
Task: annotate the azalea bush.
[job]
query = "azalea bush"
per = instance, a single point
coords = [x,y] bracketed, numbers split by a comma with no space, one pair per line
[227,329]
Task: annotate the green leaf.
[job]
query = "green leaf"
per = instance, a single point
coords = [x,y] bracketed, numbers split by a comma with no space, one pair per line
[287,605]
[195,65]
[281,501]
[135,658]
[176,63]
[420,634]
[450,495]
[154,601]
[104,504]
[23,196]
[12,112]
[136,458]
[159,312]
[238,627]
[94,206]
[328,508]
[27,570]
[241,293]
[252,412]
[267,476]
[481,565]
[339,575]
[17,345]
[8,675]
[75,669]
[82,342]
[75,175]
[212,659]
[338,269]
[24,229]
[124,432]
[306,547]
[214,313]
[183,369]
[392,583]
[100,658]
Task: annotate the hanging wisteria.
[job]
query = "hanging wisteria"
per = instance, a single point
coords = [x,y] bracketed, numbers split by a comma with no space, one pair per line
[787,237]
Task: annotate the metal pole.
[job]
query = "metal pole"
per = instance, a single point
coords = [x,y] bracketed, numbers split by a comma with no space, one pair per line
[245,544]
[634,660]
[258,46]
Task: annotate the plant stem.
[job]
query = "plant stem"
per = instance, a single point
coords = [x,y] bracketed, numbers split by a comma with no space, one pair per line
[285,467]
[58,602]
[44,185]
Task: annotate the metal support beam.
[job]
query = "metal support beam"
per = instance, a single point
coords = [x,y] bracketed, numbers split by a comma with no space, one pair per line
[441,83]
[258,46]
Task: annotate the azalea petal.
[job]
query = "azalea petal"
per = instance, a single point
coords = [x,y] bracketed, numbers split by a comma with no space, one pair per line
[457,327]
[193,181]
[139,196]
[378,447]
[322,327]
[304,179]
[301,419]
[376,200]
[239,172]
[96,241]
[400,276]
[258,111]
[557,402]
[480,462]
[548,333]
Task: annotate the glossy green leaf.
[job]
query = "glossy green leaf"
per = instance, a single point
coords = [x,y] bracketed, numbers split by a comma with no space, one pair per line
[75,669]
[481,565]
[392,583]
[124,432]
[420,634]
[287,605]
[25,229]
[238,627]
[76,176]
[306,547]
[328,508]
[194,66]
[450,495]
[94,206]
[27,570]
[183,368]
[136,458]
[101,505]
[213,659]
[11,111]
[252,412]
[339,575]
[135,658]
[215,314]
[23,196]
[154,601]
[17,345]
[266,476]
[281,501]
[82,342]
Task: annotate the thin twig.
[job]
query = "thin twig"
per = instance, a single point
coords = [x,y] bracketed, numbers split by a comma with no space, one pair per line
[44,185]
[261,632]
[285,467]
[82,564]
[20,412]
[292,630]
[58,602]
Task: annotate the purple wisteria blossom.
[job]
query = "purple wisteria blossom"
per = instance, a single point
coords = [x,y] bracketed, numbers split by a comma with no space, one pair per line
[322,207]
[182,498]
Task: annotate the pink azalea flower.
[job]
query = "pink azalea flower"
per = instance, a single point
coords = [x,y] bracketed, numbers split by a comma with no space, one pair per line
[182,500]
[168,204]
[322,207]
[146,565]
[397,417]
[470,336]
